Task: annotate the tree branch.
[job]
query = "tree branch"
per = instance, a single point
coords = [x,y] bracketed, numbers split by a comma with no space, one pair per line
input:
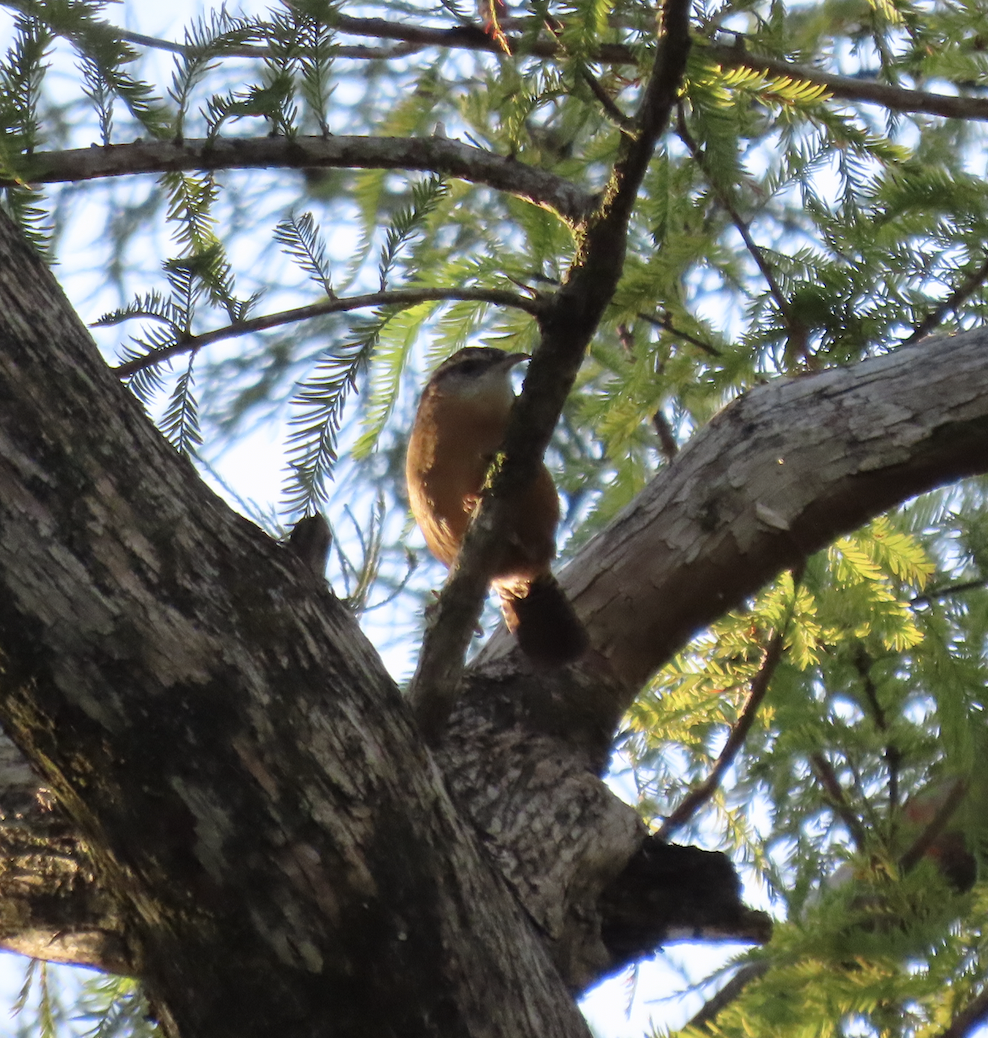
[897,99]
[399,297]
[729,993]
[911,858]
[835,792]
[141,620]
[665,322]
[740,225]
[568,324]
[960,295]
[735,509]
[974,1013]
[697,797]
[357,53]
[473,37]
[437,154]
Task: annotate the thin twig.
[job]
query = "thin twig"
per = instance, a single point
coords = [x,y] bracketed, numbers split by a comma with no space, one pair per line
[740,225]
[473,37]
[911,858]
[665,322]
[399,297]
[947,592]
[432,154]
[960,295]
[897,99]
[828,779]
[357,52]
[699,795]
[727,994]
[568,324]
[606,101]
[893,755]
[973,1014]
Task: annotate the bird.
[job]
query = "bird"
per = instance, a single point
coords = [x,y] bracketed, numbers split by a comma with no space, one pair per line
[459,427]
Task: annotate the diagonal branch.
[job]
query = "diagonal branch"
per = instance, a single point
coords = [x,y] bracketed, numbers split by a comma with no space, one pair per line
[936,826]
[435,154]
[729,993]
[740,224]
[665,321]
[960,295]
[568,324]
[697,797]
[835,792]
[399,298]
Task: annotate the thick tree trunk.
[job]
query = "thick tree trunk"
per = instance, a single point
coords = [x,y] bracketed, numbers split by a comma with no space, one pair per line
[246,777]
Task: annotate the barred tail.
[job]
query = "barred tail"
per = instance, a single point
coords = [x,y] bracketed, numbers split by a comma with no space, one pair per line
[544,622]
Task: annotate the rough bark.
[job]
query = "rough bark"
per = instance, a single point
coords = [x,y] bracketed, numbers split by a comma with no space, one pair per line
[52,906]
[243,771]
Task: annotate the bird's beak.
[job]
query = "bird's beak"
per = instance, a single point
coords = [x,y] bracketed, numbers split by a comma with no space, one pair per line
[516,358]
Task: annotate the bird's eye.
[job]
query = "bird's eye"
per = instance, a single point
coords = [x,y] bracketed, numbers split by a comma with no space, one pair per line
[471,367]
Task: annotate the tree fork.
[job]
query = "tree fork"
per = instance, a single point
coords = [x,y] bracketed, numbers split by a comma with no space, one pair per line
[243,770]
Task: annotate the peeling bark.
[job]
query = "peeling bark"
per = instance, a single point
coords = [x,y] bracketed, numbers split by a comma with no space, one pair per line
[51,906]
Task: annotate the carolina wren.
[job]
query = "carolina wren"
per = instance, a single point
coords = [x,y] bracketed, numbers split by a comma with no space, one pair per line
[459,426]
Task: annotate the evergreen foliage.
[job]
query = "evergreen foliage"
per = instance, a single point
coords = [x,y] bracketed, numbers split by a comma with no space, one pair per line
[784,226]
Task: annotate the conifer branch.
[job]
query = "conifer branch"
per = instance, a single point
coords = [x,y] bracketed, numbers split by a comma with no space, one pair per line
[354,52]
[699,795]
[911,858]
[606,101]
[832,787]
[893,755]
[436,154]
[960,295]
[473,37]
[399,297]
[847,88]
[741,226]
[665,322]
